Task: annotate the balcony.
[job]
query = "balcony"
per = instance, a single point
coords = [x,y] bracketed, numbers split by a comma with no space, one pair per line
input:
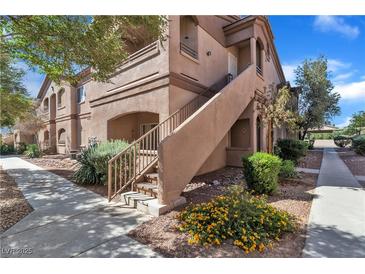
[188,50]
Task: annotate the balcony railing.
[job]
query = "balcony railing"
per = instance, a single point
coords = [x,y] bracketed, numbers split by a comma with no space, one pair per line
[188,50]
[259,70]
[140,155]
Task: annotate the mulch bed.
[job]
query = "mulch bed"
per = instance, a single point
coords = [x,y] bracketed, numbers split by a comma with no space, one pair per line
[65,167]
[312,160]
[13,206]
[355,162]
[294,196]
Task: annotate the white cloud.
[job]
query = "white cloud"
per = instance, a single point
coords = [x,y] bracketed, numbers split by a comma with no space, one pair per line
[351,91]
[345,123]
[289,72]
[326,23]
[342,77]
[335,65]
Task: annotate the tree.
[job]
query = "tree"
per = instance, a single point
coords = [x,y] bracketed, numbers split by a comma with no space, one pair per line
[14,99]
[357,123]
[317,102]
[279,108]
[31,123]
[61,46]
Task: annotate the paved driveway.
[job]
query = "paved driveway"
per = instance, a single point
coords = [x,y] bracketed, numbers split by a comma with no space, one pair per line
[67,221]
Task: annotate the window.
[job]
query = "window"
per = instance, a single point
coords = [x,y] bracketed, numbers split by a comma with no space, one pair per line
[189,36]
[62,136]
[60,97]
[45,104]
[81,95]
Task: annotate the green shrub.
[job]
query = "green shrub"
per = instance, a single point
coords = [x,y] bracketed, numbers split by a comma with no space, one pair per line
[342,140]
[248,221]
[287,169]
[94,162]
[32,151]
[6,149]
[322,136]
[21,148]
[310,143]
[288,149]
[261,172]
[358,144]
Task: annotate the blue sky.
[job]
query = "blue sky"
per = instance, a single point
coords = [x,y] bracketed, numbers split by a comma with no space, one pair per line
[340,38]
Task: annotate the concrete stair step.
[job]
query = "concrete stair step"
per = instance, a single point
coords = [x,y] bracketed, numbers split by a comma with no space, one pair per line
[132,198]
[151,177]
[142,202]
[147,188]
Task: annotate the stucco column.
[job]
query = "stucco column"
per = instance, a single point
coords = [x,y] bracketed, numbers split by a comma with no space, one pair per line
[253,140]
[253,50]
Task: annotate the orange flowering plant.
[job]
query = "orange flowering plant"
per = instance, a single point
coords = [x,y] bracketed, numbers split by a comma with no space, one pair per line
[247,220]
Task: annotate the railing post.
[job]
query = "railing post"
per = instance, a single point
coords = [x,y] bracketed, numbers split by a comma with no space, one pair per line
[109,181]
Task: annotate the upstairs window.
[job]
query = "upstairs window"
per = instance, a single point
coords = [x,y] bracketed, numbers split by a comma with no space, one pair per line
[81,94]
[60,97]
[46,104]
[189,36]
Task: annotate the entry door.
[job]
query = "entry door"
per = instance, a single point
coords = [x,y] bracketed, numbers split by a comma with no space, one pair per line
[232,64]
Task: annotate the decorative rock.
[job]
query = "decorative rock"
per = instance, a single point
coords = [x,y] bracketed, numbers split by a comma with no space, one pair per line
[216,183]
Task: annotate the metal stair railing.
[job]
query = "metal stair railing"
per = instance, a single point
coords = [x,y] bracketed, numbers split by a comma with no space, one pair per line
[131,163]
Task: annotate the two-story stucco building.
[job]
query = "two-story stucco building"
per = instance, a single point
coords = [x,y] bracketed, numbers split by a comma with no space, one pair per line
[188,105]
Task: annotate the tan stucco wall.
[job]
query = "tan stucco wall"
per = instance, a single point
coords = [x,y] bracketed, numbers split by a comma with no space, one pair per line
[217,159]
[207,69]
[178,164]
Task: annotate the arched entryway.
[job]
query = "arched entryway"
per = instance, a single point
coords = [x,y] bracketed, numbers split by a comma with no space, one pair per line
[131,126]
[46,142]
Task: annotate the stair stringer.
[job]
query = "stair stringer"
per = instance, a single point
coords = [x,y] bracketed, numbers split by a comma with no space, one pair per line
[182,153]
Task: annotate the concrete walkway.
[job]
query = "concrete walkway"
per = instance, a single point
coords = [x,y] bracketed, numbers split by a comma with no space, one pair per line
[67,221]
[336,225]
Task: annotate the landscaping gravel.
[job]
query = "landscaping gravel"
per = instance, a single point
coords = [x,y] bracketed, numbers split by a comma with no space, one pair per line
[312,160]
[294,196]
[13,205]
[355,162]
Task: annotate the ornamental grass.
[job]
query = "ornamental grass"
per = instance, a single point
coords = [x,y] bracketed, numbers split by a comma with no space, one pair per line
[247,220]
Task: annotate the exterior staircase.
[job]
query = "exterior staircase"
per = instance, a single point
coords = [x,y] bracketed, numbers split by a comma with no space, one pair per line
[134,175]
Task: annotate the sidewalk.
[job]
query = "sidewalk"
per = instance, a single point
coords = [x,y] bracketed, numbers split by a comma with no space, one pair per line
[68,220]
[336,225]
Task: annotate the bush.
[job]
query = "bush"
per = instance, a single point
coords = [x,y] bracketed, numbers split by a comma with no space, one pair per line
[288,149]
[321,136]
[32,151]
[21,148]
[94,162]
[358,144]
[261,172]
[287,169]
[310,143]
[6,149]
[248,221]
[341,140]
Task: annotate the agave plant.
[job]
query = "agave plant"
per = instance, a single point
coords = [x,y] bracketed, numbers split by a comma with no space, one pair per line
[94,161]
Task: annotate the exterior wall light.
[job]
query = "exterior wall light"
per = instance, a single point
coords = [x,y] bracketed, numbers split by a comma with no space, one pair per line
[209,53]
